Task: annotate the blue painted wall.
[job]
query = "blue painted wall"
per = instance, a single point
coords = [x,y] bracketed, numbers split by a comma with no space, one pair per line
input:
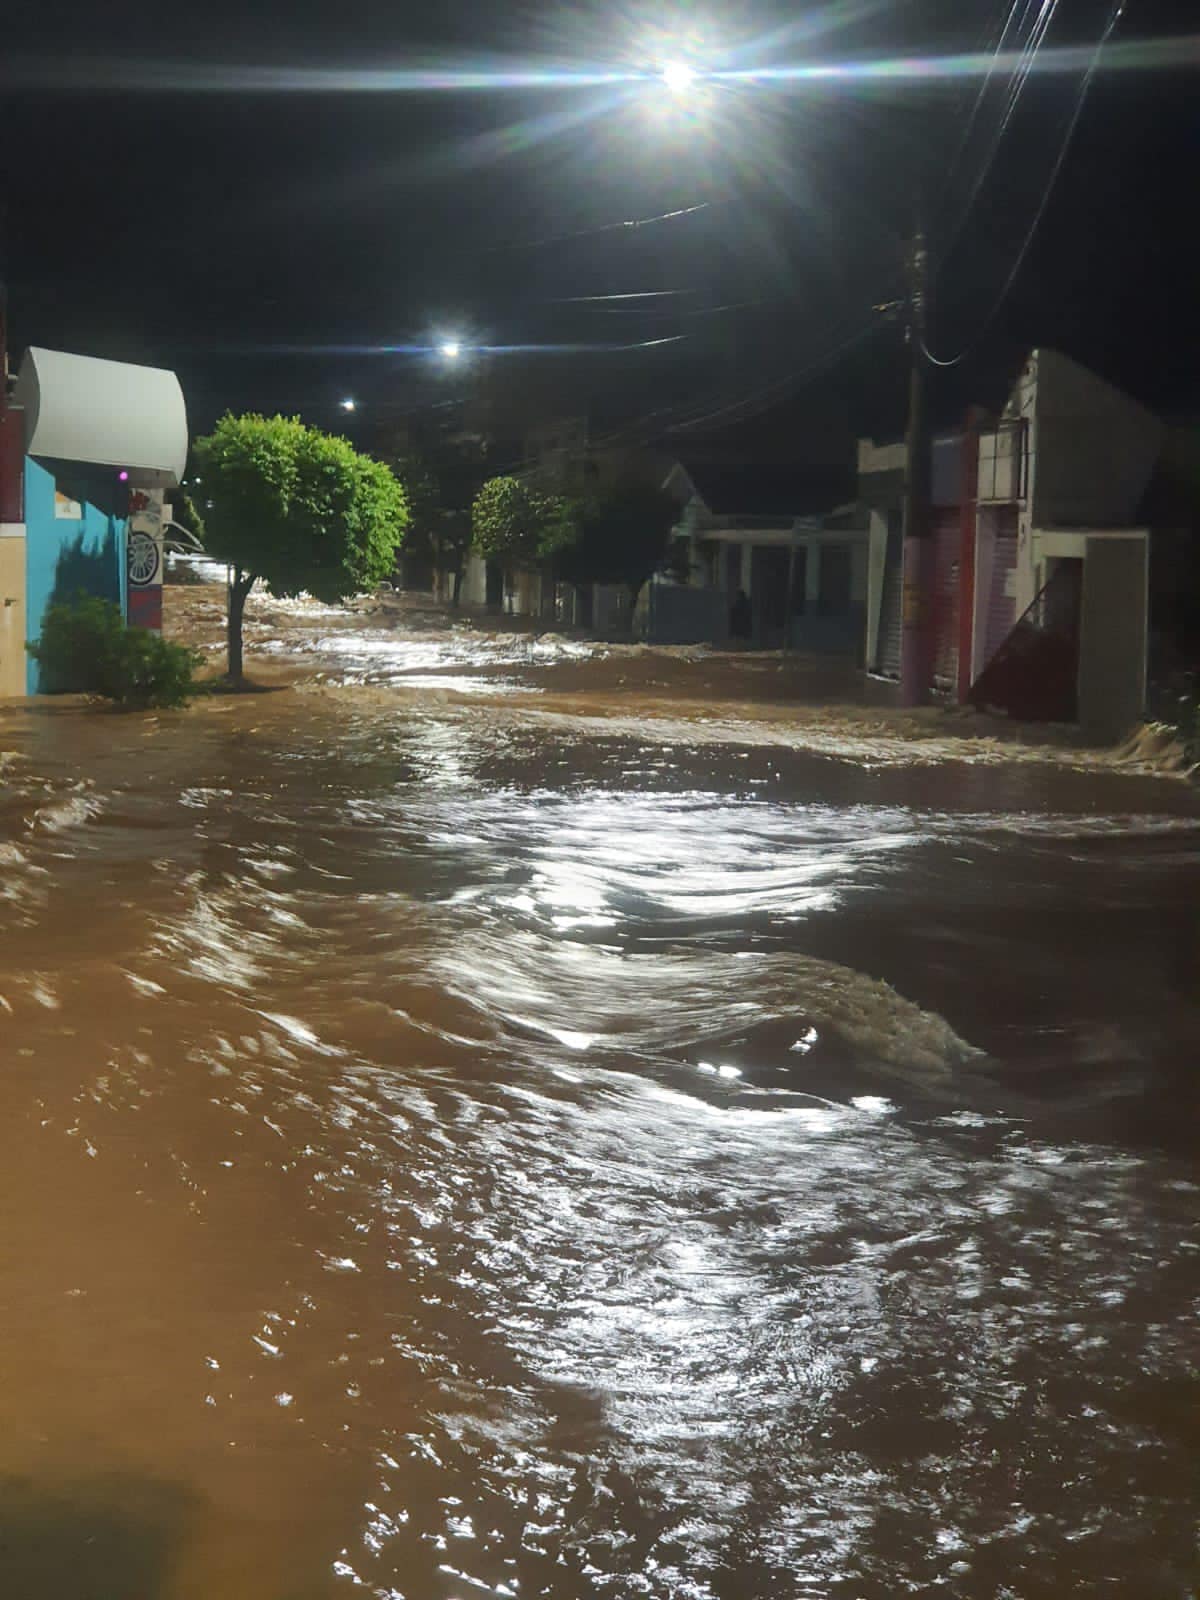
[64,555]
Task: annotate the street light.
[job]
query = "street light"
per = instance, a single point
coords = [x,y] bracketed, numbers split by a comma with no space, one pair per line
[349,405]
[450,350]
[677,76]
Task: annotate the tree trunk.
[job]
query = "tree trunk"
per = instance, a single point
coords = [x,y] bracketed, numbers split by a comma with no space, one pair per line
[458,578]
[239,587]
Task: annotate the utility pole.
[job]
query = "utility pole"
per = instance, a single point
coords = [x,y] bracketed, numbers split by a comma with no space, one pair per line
[916,619]
[966,553]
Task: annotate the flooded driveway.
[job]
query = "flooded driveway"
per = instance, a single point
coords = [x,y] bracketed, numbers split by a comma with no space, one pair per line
[462,1134]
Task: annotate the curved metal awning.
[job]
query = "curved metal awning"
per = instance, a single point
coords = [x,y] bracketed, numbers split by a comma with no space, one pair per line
[104,413]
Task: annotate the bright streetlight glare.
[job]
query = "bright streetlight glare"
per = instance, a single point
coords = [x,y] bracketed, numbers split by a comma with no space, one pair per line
[349,405]
[451,349]
[678,76]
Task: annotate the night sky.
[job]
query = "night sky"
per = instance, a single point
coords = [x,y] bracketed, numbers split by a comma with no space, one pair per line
[229,191]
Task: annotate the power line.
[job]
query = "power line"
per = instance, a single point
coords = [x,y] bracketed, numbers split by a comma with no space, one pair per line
[604,227]
[1022,253]
[674,311]
[985,85]
[640,294]
[762,399]
[745,406]
[1020,77]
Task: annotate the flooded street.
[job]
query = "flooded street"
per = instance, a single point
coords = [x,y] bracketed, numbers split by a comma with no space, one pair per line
[501,1117]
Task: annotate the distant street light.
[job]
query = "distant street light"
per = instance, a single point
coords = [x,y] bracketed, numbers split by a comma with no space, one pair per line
[349,405]
[677,76]
[450,350]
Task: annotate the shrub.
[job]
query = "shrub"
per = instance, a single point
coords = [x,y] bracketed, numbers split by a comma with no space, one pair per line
[86,648]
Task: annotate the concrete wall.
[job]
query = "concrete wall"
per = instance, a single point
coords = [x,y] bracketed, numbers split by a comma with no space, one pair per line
[673,613]
[859,571]
[1021,408]
[1090,453]
[12,552]
[66,554]
[1113,633]
[612,614]
[1096,448]
[474,583]
[878,458]
[876,562]
[528,594]
[13,660]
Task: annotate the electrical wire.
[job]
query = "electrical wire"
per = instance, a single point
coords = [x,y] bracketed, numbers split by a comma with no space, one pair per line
[675,311]
[997,48]
[657,422]
[1020,77]
[761,400]
[604,227]
[1022,253]
[639,294]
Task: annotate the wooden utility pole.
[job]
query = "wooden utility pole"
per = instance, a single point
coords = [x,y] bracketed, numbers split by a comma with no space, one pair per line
[966,556]
[915,654]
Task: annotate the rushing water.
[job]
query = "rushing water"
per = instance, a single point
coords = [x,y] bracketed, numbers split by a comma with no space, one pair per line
[449,1148]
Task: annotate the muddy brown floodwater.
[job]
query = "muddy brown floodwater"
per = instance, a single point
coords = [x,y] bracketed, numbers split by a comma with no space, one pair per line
[504,1117]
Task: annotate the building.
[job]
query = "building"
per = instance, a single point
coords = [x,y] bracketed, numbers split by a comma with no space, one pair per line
[1035,585]
[881,477]
[775,556]
[87,450]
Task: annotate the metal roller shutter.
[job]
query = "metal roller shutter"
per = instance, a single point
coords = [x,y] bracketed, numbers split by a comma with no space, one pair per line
[947,534]
[1001,604]
[887,651]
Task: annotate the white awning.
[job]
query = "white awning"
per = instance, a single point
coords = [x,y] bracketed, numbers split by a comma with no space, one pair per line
[104,413]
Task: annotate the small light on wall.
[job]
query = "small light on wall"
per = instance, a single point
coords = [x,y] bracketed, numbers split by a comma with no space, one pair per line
[123,476]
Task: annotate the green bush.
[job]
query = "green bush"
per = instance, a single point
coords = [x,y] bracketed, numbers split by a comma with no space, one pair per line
[86,648]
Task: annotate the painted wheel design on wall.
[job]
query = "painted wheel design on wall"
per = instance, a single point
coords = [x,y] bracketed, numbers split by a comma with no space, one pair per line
[143,558]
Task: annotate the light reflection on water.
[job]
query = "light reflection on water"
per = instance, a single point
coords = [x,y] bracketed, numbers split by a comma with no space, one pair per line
[444,1156]
[362,657]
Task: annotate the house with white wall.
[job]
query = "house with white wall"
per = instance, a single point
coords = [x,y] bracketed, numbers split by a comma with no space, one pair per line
[775,556]
[1036,583]
[881,475]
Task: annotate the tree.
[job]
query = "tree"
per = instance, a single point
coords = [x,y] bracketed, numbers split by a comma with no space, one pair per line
[624,532]
[520,525]
[185,514]
[442,484]
[459,470]
[298,508]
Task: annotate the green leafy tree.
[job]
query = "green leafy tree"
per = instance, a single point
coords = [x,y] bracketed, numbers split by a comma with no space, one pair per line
[624,534]
[298,508]
[460,471]
[517,524]
[185,514]
[441,487]
[424,506]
